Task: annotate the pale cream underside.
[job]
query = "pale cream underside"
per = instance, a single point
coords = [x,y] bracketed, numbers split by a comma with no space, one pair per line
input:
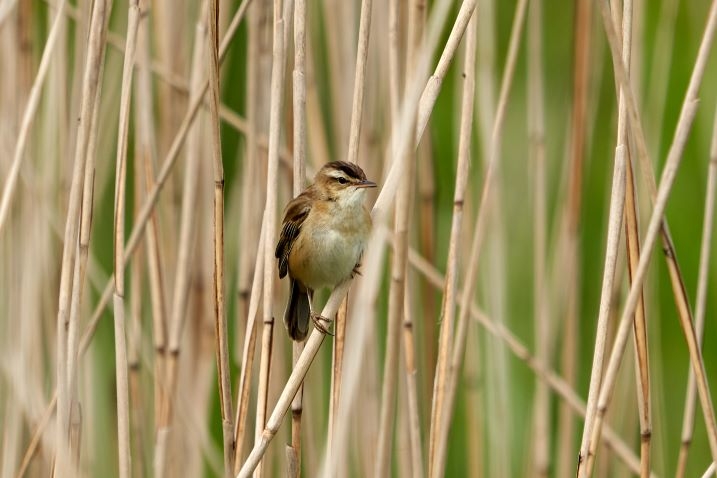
[331,241]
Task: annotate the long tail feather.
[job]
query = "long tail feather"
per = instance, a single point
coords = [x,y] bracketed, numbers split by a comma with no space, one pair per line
[296,316]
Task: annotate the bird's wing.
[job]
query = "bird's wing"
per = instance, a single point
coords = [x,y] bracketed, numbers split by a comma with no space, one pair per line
[296,212]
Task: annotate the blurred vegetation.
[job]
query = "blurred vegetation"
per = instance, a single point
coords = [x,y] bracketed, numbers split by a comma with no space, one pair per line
[510,240]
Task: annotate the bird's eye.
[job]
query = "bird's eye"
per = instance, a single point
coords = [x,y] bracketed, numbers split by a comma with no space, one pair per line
[342,180]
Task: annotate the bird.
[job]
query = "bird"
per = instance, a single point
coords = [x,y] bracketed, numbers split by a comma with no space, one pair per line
[323,235]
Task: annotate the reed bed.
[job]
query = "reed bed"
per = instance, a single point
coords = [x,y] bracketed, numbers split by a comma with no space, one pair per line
[546,197]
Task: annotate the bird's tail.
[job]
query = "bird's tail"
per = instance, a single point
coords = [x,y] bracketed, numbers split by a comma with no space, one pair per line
[296,315]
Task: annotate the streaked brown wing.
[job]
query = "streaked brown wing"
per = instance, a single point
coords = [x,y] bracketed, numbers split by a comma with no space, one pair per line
[296,212]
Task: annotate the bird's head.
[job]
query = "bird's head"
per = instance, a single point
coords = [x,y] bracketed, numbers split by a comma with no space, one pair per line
[342,181]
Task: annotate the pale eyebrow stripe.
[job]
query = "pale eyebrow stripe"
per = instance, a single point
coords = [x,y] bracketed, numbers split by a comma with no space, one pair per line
[338,174]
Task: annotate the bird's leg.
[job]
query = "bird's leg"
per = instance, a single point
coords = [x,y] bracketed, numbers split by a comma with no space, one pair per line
[317,319]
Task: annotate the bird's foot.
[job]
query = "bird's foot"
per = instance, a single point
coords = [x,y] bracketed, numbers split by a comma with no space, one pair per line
[321,323]
[356,271]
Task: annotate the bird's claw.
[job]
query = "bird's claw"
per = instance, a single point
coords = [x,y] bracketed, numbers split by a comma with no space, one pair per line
[318,321]
[355,271]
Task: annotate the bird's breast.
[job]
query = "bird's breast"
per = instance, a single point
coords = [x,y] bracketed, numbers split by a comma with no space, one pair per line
[329,246]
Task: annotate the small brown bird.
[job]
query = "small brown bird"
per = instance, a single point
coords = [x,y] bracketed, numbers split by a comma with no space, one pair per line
[323,235]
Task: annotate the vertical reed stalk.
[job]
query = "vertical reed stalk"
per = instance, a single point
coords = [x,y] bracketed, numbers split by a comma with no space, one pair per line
[145,151]
[74,403]
[438,461]
[633,252]
[220,318]
[250,193]
[359,81]
[473,407]
[293,451]
[249,222]
[427,237]
[384,445]
[90,81]
[134,346]
[617,202]
[352,156]
[569,240]
[486,97]
[276,102]
[413,411]
[255,115]
[644,406]
[25,60]
[248,354]
[299,178]
[337,360]
[299,97]
[397,288]
[415,37]
[593,416]
[428,225]
[394,67]
[688,419]
[541,318]
[123,418]
[86,219]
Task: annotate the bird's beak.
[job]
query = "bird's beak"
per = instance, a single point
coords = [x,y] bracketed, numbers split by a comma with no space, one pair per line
[366,184]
